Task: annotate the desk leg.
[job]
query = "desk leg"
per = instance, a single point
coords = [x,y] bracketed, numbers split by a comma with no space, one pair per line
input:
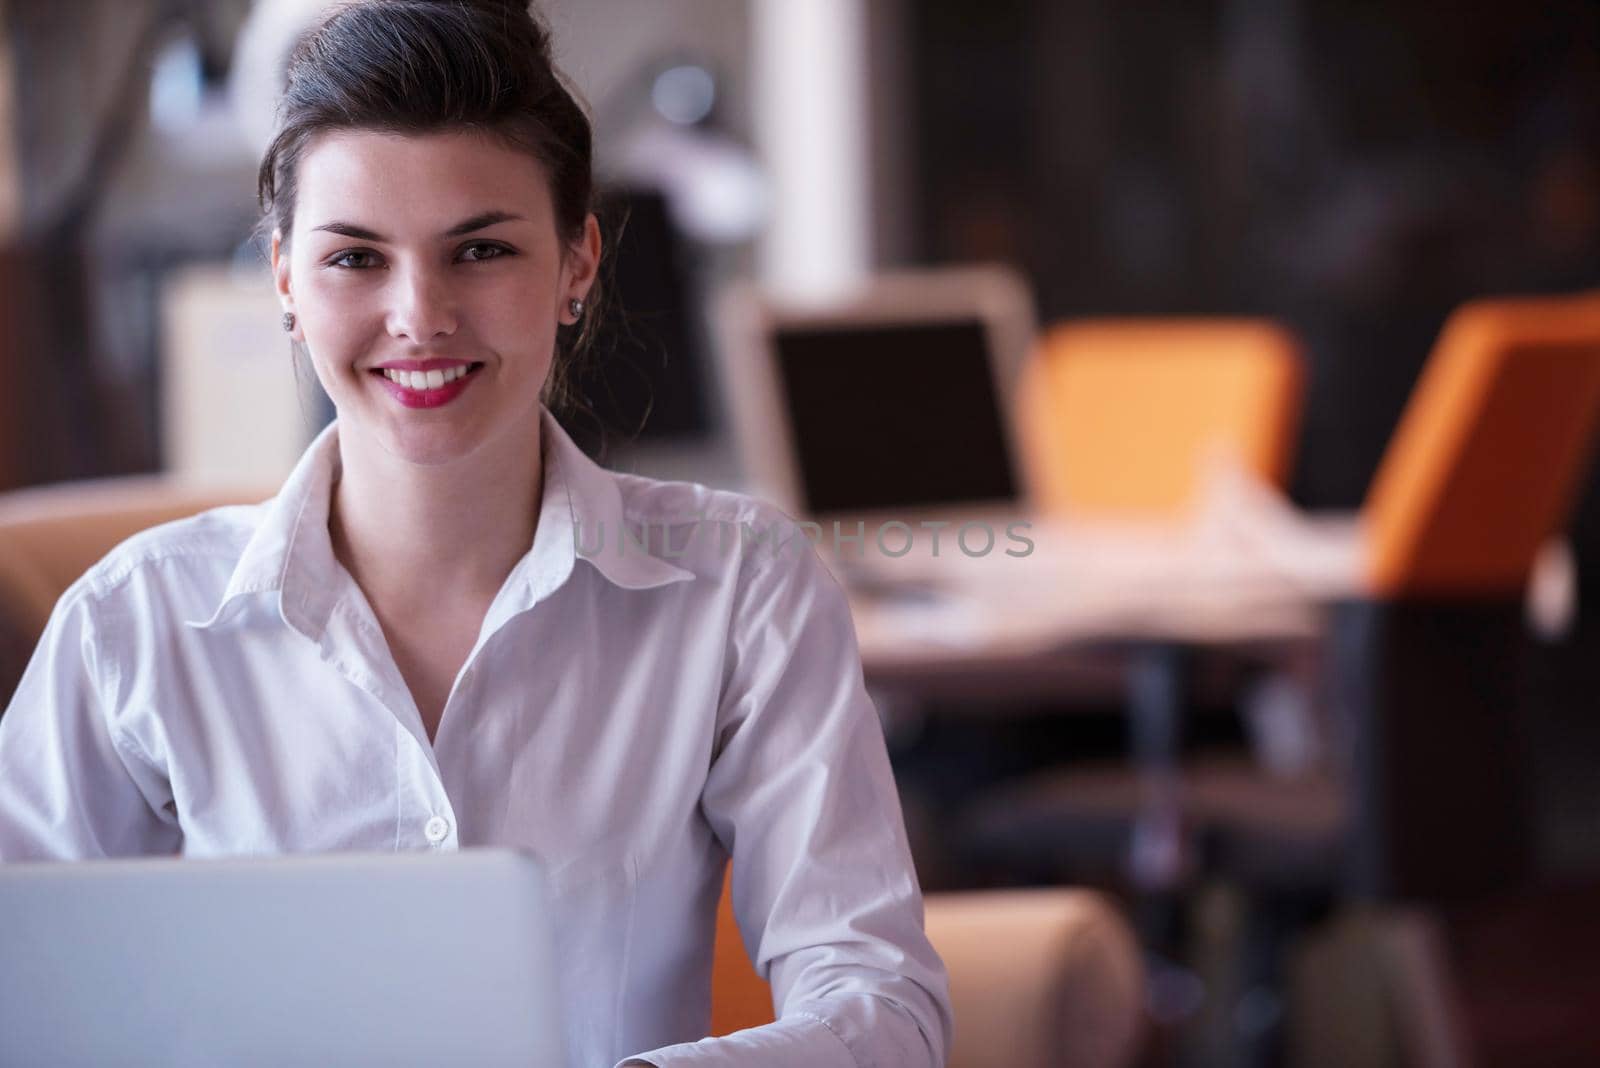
[1159,855]
[1157,692]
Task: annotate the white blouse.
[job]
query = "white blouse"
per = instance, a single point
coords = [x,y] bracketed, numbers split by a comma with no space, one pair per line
[661,681]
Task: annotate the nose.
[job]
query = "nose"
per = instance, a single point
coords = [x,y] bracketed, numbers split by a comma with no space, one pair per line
[421,306]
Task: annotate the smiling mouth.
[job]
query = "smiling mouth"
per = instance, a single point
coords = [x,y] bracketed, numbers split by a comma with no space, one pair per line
[422,381]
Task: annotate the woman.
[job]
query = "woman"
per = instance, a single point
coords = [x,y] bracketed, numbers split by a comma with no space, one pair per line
[405,648]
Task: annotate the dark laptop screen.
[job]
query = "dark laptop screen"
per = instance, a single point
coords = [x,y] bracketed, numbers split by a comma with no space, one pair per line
[901,415]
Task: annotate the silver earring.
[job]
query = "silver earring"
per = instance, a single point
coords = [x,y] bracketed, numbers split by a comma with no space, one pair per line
[288,322]
[575,306]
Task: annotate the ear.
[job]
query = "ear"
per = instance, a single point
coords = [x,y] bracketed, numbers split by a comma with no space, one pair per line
[582,264]
[281,279]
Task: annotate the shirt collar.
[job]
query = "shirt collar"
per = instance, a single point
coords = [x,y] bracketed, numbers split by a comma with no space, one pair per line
[291,552]
[581,498]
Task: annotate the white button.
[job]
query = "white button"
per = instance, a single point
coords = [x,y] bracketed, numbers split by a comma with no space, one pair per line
[436,829]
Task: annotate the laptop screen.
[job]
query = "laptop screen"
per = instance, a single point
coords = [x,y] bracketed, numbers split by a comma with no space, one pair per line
[894,415]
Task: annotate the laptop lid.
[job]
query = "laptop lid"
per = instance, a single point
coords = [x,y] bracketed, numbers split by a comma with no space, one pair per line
[894,401]
[344,959]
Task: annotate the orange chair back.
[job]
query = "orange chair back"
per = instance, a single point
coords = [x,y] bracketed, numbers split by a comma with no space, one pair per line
[1119,417]
[1490,450]
[740,998]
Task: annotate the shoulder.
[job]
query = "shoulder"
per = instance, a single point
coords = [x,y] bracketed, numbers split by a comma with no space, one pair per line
[740,535]
[136,596]
[668,501]
[183,562]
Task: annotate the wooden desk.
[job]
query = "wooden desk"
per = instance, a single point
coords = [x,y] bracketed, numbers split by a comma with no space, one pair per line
[1104,610]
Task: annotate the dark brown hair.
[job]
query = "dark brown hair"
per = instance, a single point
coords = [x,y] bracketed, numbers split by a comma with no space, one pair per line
[425,66]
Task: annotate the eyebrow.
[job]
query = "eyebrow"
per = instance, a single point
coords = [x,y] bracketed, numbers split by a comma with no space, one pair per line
[480,221]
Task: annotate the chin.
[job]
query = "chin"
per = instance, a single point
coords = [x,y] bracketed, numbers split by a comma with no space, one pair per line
[430,449]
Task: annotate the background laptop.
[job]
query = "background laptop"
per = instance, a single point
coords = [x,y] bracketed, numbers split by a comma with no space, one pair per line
[346,959]
[894,402]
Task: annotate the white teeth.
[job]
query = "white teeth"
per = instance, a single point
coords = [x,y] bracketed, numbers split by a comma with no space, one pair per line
[421,380]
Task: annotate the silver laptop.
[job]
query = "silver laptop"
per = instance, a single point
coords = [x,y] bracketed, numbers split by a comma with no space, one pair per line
[890,405]
[348,959]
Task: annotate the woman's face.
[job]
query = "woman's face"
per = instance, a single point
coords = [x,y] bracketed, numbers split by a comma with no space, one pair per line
[417,259]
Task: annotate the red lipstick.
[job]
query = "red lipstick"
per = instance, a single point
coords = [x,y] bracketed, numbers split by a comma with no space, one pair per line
[427,398]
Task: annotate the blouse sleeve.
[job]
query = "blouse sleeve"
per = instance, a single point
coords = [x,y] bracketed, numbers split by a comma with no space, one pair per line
[823,887]
[70,788]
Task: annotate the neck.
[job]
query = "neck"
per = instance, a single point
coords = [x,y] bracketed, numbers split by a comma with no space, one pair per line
[416,537]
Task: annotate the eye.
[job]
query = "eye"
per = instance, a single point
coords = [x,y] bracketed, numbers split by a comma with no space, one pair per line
[483,250]
[354,259]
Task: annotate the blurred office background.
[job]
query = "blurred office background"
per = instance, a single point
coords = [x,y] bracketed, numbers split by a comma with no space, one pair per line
[1352,171]
[1355,170]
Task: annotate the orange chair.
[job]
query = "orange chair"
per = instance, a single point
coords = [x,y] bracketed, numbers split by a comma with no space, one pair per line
[740,998]
[1487,458]
[1120,417]
[1482,469]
